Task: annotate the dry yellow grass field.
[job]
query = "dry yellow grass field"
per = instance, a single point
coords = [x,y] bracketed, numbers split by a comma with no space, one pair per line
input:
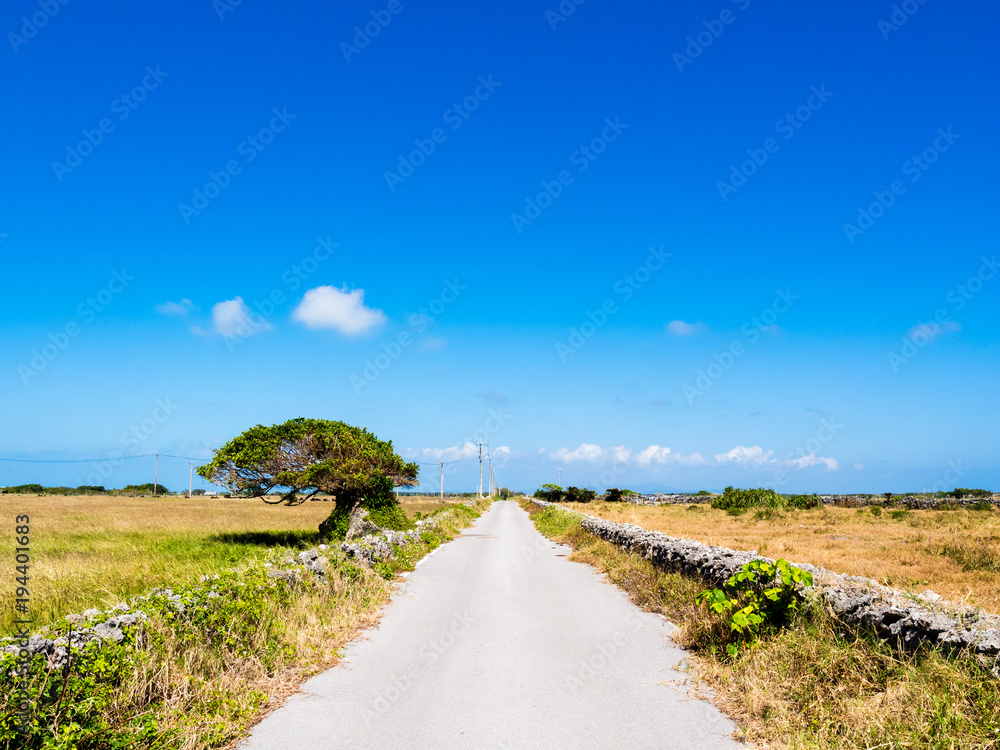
[98,551]
[955,553]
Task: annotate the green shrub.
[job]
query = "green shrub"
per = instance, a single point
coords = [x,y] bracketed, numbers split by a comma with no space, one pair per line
[552,493]
[146,489]
[754,498]
[803,502]
[579,495]
[961,492]
[760,598]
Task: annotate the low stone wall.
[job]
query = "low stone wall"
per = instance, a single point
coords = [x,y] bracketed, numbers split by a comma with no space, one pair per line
[667,499]
[911,502]
[858,602]
[903,502]
[95,626]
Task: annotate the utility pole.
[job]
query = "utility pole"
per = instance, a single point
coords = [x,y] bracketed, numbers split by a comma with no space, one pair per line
[481,444]
[560,477]
[191,480]
[489,458]
[442,481]
[156,474]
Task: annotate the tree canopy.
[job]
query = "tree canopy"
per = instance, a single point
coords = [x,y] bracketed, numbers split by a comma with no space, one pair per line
[312,456]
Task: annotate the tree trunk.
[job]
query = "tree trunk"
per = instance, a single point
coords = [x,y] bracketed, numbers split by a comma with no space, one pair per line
[335,526]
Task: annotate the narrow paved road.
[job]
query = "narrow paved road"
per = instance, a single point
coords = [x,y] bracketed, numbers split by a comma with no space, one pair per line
[497,641]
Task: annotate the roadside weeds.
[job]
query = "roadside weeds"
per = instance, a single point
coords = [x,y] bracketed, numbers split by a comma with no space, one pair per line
[814,684]
[211,658]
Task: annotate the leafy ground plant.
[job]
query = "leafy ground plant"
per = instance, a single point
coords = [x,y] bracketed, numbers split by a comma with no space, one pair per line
[762,597]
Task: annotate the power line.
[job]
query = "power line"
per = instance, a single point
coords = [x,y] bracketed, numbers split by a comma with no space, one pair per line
[435,463]
[92,460]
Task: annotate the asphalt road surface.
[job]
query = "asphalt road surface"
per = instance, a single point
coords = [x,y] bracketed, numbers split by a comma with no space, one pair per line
[496,641]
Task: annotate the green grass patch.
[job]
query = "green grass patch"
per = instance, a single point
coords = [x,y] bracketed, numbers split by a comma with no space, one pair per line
[197,675]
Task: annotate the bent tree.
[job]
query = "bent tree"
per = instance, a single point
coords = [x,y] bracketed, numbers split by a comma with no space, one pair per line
[312,456]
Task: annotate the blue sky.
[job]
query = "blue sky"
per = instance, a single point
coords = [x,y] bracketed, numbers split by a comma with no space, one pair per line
[657,247]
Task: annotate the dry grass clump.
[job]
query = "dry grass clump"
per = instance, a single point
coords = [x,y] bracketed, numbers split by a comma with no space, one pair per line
[955,553]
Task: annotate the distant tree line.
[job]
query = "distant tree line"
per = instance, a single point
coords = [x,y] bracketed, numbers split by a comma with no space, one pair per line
[89,489]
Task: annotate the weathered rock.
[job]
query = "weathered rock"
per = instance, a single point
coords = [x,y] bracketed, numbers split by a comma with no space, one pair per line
[360,525]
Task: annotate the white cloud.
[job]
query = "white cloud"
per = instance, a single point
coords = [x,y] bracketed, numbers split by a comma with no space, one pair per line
[586,452]
[467,450]
[813,460]
[742,455]
[930,331]
[340,309]
[451,454]
[695,459]
[651,454]
[233,318]
[175,308]
[656,454]
[680,328]
[621,453]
